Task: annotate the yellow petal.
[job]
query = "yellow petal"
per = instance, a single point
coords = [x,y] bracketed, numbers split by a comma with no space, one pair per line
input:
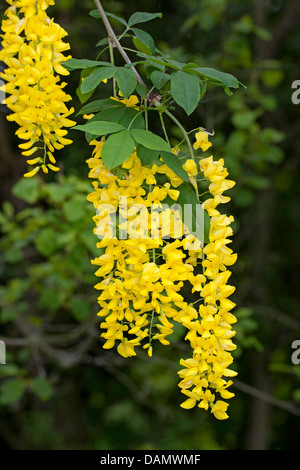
[189,403]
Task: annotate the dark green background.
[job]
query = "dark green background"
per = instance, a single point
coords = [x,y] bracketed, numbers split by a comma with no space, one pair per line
[59,388]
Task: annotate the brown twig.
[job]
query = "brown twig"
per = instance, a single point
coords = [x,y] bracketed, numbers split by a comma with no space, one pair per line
[114,40]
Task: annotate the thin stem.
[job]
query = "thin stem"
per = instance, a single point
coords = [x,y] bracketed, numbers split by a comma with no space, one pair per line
[164,128]
[146,119]
[112,60]
[186,137]
[113,37]
[151,326]
[123,34]
[189,132]
[45,152]
[174,119]
[101,52]
[131,122]
[205,192]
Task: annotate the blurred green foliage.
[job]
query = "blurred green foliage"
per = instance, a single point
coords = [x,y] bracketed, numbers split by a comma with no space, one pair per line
[59,388]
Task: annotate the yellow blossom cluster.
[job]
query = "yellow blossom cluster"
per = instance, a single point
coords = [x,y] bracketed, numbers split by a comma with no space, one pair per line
[210,332]
[148,255]
[139,286]
[32,50]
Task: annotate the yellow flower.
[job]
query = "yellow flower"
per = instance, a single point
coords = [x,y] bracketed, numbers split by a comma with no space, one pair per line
[32,172]
[88,116]
[132,101]
[219,410]
[190,167]
[202,141]
[126,348]
[32,51]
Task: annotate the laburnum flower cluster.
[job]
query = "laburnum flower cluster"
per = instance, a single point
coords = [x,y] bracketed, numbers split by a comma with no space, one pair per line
[210,332]
[32,49]
[142,275]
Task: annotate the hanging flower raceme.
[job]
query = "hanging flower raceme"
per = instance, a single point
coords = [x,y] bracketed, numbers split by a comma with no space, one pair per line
[141,272]
[32,50]
[148,254]
[205,374]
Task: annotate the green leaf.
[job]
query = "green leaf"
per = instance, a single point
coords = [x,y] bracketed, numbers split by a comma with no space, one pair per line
[102,42]
[96,77]
[96,14]
[268,134]
[50,300]
[89,137]
[140,46]
[173,162]
[263,33]
[27,189]
[159,79]
[194,217]
[83,97]
[146,156]
[126,81]
[74,64]
[45,242]
[203,88]
[58,193]
[226,79]
[142,90]
[11,391]
[80,309]
[114,114]
[142,17]
[42,388]
[13,312]
[8,209]
[130,114]
[174,63]
[185,89]
[99,105]
[145,39]
[121,114]
[88,239]
[157,62]
[99,128]
[258,182]
[117,148]
[245,118]
[152,63]
[74,210]
[228,91]
[118,18]
[150,140]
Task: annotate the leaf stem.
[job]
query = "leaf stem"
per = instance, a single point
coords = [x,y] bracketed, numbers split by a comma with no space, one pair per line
[174,119]
[112,60]
[164,128]
[132,120]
